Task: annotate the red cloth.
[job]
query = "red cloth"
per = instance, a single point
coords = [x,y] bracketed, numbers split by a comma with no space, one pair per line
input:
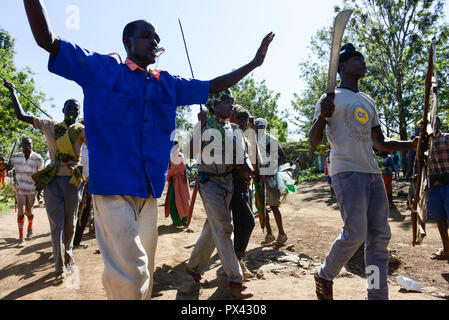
[176,175]
[387,181]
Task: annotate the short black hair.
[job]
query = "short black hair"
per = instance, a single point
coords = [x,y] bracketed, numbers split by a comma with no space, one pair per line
[24,139]
[130,28]
[71,101]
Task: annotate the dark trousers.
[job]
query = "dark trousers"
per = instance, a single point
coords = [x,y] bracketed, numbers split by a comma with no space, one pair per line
[84,219]
[243,219]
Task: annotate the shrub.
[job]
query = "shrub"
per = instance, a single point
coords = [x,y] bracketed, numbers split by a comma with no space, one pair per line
[308,175]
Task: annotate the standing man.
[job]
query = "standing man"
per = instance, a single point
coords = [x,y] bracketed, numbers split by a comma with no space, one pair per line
[386,164]
[352,130]
[25,163]
[216,187]
[438,198]
[130,115]
[272,194]
[242,213]
[85,206]
[61,180]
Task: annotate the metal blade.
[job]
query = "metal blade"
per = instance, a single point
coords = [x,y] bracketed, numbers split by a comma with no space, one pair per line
[339,27]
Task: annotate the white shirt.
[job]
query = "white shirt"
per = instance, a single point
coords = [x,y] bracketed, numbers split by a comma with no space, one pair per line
[349,132]
[24,169]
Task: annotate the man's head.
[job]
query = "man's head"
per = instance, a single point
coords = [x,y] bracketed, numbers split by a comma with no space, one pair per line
[241,116]
[141,39]
[221,104]
[260,124]
[71,110]
[27,146]
[351,62]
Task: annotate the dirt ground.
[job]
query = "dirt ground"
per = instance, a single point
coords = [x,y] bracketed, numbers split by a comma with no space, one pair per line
[311,220]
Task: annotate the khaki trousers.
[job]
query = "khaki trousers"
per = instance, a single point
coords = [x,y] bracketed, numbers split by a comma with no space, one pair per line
[126,231]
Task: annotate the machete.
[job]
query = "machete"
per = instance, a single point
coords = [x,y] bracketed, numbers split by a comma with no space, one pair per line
[339,27]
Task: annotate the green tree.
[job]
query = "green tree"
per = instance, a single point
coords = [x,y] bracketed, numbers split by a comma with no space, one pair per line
[394,37]
[10,127]
[261,103]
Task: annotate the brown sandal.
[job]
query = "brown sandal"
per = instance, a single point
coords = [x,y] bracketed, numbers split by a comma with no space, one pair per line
[239,291]
[323,288]
[440,255]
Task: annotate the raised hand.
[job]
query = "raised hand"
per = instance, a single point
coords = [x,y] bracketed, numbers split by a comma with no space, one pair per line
[262,51]
[327,106]
[8,85]
[202,115]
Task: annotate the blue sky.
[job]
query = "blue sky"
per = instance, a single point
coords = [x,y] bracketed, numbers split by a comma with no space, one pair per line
[221,35]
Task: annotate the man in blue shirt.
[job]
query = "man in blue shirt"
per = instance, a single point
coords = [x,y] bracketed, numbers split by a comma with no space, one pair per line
[129,114]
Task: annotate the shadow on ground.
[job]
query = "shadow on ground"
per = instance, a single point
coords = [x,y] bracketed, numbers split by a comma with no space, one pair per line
[40,284]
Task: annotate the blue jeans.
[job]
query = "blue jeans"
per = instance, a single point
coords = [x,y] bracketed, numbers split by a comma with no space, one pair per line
[438,203]
[364,209]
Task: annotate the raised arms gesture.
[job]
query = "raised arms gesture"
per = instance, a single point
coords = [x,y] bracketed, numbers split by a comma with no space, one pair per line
[40,26]
[228,80]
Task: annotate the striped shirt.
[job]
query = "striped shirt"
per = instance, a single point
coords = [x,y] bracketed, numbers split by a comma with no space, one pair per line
[439,159]
[24,169]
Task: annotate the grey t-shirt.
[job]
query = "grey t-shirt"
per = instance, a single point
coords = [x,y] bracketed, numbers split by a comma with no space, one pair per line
[349,132]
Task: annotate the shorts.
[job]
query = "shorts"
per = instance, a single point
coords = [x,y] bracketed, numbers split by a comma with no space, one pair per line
[438,203]
[25,203]
[329,180]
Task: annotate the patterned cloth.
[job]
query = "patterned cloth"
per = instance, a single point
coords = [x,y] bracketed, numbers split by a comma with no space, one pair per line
[24,169]
[216,98]
[65,156]
[439,159]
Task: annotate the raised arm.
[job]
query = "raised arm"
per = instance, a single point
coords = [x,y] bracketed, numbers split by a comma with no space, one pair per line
[40,26]
[391,145]
[316,133]
[228,80]
[20,113]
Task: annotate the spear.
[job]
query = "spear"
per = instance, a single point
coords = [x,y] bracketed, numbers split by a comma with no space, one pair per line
[187,53]
[195,189]
[29,100]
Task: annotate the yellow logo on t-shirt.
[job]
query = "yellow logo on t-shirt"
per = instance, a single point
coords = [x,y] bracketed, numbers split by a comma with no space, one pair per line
[361,115]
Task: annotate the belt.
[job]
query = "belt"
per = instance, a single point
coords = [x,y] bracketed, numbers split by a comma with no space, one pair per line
[215,174]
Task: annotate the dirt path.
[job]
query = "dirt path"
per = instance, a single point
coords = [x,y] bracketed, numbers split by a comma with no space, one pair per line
[311,220]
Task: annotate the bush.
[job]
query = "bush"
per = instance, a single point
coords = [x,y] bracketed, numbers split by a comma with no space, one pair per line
[6,193]
[308,175]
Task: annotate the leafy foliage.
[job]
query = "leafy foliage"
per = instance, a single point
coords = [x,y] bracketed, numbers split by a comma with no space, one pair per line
[261,103]
[394,36]
[12,130]
[308,175]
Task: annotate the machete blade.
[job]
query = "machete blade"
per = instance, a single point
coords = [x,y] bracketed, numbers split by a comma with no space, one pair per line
[339,27]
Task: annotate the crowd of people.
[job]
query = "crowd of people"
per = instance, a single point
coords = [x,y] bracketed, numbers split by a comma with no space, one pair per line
[129,117]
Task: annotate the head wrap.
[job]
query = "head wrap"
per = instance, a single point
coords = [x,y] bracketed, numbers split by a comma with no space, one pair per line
[259,122]
[347,52]
[214,99]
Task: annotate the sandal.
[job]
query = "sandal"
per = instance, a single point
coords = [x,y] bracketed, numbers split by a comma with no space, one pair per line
[198,278]
[440,255]
[323,288]
[239,291]
[282,238]
[269,238]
